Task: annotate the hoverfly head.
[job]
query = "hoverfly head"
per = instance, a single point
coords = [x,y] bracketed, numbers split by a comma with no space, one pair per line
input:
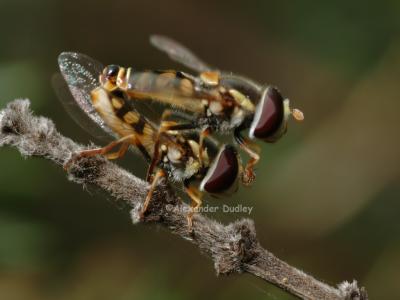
[110,76]
[270,118]
[222,176]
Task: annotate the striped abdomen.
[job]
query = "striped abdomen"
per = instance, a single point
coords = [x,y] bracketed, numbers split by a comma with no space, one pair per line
[120,115]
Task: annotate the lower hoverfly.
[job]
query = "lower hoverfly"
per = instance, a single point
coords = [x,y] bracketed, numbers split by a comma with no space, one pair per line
[216,101]
[201,165]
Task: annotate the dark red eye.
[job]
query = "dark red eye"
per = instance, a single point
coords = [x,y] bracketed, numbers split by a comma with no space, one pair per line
[269,115]
[223,173]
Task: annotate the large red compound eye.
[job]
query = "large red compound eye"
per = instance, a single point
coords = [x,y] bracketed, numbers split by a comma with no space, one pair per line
[223,173]
[269,116]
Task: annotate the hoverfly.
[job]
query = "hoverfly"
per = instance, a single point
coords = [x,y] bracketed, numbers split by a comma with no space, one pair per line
[201,166]
[216,101]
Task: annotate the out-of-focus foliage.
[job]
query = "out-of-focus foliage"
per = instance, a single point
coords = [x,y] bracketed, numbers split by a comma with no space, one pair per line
[327,195]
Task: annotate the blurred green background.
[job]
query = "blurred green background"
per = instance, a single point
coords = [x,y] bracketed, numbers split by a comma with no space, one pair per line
[327,195]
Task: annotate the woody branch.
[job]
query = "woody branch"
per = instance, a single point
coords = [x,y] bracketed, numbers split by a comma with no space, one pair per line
[234,248]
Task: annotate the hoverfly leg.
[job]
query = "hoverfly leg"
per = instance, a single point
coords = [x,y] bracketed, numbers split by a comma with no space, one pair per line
[203,134]
[253,150]
[195,195]
[164,127]
[173,125]
[248,173]
[101,151]
[159,174]
[166,113]
[154,159]
[120,153]
[152,165]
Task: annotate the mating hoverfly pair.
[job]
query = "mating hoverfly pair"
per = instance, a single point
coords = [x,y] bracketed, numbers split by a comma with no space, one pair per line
[180,146]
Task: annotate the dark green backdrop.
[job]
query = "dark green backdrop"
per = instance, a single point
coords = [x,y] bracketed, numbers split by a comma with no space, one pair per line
[327,196]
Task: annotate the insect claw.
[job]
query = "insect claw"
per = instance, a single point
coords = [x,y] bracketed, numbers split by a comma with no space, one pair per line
[248,176]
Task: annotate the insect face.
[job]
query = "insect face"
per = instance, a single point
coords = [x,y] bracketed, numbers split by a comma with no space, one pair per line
[271,115]
[110,76]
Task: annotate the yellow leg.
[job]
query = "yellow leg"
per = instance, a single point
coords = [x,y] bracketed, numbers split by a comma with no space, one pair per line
[195,196]
[253,150]
[166,113]
[159,174]
[249,175]
[101,151]
[120,153]
[164,127]
[203,134]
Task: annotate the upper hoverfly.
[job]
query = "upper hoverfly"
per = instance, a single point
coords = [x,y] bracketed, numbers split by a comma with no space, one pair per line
[178,155]
[216,101]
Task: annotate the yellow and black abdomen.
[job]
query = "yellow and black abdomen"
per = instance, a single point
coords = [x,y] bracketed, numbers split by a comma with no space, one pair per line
[120,115]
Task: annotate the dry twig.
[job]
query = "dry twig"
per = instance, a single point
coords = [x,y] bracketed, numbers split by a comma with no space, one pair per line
[234,248]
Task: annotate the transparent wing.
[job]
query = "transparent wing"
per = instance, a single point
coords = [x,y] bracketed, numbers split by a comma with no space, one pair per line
[179,53]
[76,113]
[183,55]
[80,75]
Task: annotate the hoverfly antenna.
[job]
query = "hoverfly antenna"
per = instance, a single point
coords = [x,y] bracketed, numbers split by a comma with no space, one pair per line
[297,114]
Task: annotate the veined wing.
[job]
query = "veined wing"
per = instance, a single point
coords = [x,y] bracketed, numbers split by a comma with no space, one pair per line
[183,55]
[170,98]
[73,109]
[80,73]
[179,53]
[177,89]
